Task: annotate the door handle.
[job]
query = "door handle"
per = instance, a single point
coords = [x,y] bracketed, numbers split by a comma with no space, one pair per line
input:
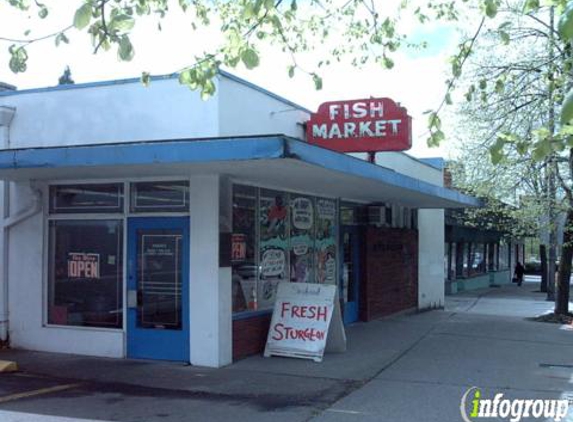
[132,298]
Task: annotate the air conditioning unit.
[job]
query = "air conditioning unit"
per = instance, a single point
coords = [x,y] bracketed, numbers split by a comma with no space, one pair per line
[380,215]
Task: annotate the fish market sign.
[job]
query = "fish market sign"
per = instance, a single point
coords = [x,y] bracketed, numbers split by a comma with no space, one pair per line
[370,125]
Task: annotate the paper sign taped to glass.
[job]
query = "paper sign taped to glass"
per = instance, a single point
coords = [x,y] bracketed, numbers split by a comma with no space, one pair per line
[306,322]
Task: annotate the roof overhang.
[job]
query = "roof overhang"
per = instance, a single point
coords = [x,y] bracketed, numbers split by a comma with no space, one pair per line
[274,161]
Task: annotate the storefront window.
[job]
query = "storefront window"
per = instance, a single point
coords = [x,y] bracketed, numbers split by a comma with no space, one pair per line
[491,257]
[277,237]
[85,273]
[160,196]
[244,248]
[451,274]
[325,243]
[466,257]
[477,258]
[273,245]
[301,239]
[354,214]
[414,217]
[503,256]
[86,198]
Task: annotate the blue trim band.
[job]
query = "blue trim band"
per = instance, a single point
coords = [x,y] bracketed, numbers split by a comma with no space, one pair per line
[218,149]
[161,152]
[332,160]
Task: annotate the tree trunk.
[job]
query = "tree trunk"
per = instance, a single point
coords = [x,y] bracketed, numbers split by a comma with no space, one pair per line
[543,257]
[562,287]
[551,167]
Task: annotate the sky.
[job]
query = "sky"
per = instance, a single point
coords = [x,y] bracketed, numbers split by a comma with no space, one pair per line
[416,81]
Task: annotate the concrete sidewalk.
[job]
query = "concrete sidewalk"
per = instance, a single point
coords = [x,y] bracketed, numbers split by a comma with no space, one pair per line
[429,359]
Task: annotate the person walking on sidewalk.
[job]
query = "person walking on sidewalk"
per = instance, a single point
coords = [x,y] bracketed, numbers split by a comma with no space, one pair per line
[518,273]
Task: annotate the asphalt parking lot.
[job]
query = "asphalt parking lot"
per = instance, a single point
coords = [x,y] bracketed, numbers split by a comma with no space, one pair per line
[405,368]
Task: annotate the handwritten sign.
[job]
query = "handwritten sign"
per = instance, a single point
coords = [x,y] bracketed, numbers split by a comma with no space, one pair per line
[302,213]
[305,317]
[83,265]
[273,263]
[299,248]
[326,208]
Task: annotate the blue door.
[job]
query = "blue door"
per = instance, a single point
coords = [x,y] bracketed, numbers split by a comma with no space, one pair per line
[350,283]
[158,288]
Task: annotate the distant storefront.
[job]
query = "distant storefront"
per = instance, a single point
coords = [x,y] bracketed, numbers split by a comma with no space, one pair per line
[478,258]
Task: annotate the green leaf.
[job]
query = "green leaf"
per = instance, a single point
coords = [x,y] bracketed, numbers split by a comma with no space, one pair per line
[249,11]
[541,150]
[565,25]
[448,99]
[456,67]
[188,77]
[504,36]
[522,148]
[145,79]
[434,121]
[387,62]
[250,58]
[317,82]
[291,71]
[83,16]
[566,130]
[207,90]
[436,138]
[183,4]
[496,150]
[18,59]
[496,156]
[499,86]
[43,12]
[125,50]
[530,6]
[122,22]
[269,4]
[490,8]
[61,38]
[567,108]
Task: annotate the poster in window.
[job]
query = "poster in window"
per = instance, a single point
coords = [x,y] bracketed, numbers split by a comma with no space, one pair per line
[273,246]
[301,239]
[244,247]
[325,243]
[238,247]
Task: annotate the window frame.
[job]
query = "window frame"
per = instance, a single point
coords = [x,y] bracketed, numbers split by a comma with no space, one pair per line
[131,196]
[46,295]
[118,209]
[124,216]
[246,314]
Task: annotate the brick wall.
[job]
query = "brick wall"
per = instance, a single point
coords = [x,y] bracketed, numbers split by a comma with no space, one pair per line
[390,272]
[389,284]
[250,335]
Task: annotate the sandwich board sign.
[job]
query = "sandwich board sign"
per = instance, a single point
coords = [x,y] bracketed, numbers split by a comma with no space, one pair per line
[306,321]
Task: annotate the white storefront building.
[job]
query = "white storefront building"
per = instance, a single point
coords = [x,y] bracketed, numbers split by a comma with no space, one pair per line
[137,222]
